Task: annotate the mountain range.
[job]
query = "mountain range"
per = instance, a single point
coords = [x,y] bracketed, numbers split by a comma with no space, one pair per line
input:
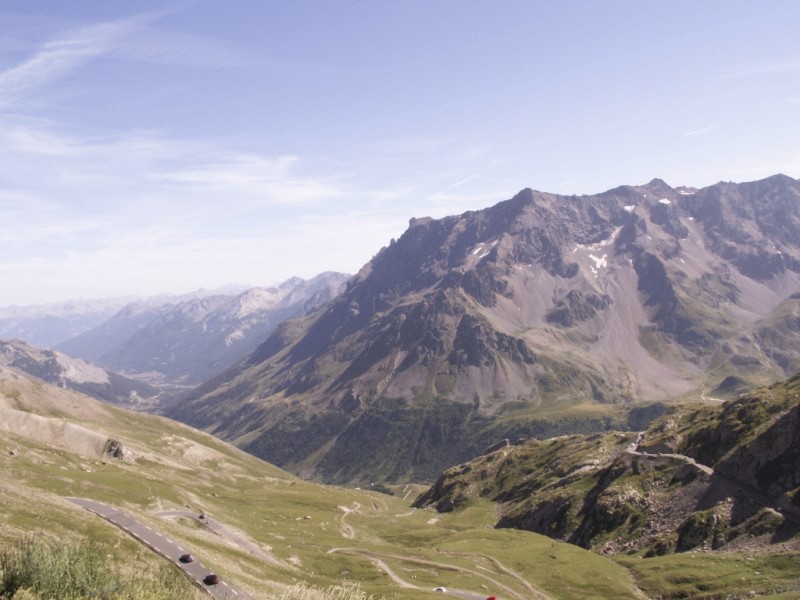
[591,365]
[46,326]
[179,344]
[543,314]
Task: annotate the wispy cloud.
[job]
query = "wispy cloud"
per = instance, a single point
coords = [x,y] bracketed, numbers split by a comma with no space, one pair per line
[133,38]
[57,58]
[271,181]
[700,131]
[174,213]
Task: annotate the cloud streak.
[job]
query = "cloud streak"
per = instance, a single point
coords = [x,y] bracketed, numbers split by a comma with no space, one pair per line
[700,131]
[133,38]
[60,57]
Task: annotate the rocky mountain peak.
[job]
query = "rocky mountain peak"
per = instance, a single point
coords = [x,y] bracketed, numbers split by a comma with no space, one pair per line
[630,294]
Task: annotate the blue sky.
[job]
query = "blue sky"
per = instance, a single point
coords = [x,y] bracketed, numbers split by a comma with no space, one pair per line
[153,147]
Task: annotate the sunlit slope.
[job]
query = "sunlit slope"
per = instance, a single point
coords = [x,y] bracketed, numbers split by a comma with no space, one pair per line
[54,444]
[543,314]
[719,481]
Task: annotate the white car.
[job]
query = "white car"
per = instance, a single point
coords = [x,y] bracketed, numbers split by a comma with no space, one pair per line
[440,589]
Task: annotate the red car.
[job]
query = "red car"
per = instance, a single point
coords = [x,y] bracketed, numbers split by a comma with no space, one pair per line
[211,579]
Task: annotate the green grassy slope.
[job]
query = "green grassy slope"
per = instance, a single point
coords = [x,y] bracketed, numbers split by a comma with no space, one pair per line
[314,534]
[719,480]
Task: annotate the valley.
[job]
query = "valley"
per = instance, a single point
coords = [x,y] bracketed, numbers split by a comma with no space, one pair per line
[601,370]
[305,532]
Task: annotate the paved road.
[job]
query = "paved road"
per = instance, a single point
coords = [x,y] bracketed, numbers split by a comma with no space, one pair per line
[634,449]
[218,528]
[162,545]
[757,496]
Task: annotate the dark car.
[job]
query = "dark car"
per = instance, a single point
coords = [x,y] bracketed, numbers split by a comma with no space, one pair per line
[211,579]
[186,558]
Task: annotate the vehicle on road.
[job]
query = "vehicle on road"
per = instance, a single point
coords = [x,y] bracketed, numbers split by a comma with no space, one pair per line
[440,589]
[211,579]
[186,558]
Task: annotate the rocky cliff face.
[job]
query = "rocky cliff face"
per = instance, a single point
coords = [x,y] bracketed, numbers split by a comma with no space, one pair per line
[702,476]
[542,301]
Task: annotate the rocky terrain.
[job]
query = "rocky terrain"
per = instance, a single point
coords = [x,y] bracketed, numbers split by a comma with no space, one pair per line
[180,344]
[541,315]
[75,374]
[707,476]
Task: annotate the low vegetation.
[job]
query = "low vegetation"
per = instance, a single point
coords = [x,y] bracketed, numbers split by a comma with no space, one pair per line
[324,542]
[303,591]
[707,496]
[41,570]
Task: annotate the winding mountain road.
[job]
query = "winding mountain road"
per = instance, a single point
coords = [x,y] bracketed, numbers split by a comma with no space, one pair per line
[634,450]
[245,544]
[376,558]
[162,545]
[788,513]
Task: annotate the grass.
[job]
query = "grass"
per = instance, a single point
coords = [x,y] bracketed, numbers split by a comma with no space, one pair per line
[712,576]
[44,570]
[299,523]
[303,591]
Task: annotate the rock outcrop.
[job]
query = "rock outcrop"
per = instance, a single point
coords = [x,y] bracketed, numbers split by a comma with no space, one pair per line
[701,477]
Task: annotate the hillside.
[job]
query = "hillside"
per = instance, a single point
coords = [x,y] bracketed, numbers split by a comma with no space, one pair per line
[263,530]
[708,476]
[541,315]
[75,374]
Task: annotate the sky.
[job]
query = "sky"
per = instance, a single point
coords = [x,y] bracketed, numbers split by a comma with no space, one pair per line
[156,147]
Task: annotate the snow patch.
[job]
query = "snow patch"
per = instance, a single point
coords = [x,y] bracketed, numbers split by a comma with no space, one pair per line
[599,261]
[665,201]
[596,247]
[629,209]
[482,248]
